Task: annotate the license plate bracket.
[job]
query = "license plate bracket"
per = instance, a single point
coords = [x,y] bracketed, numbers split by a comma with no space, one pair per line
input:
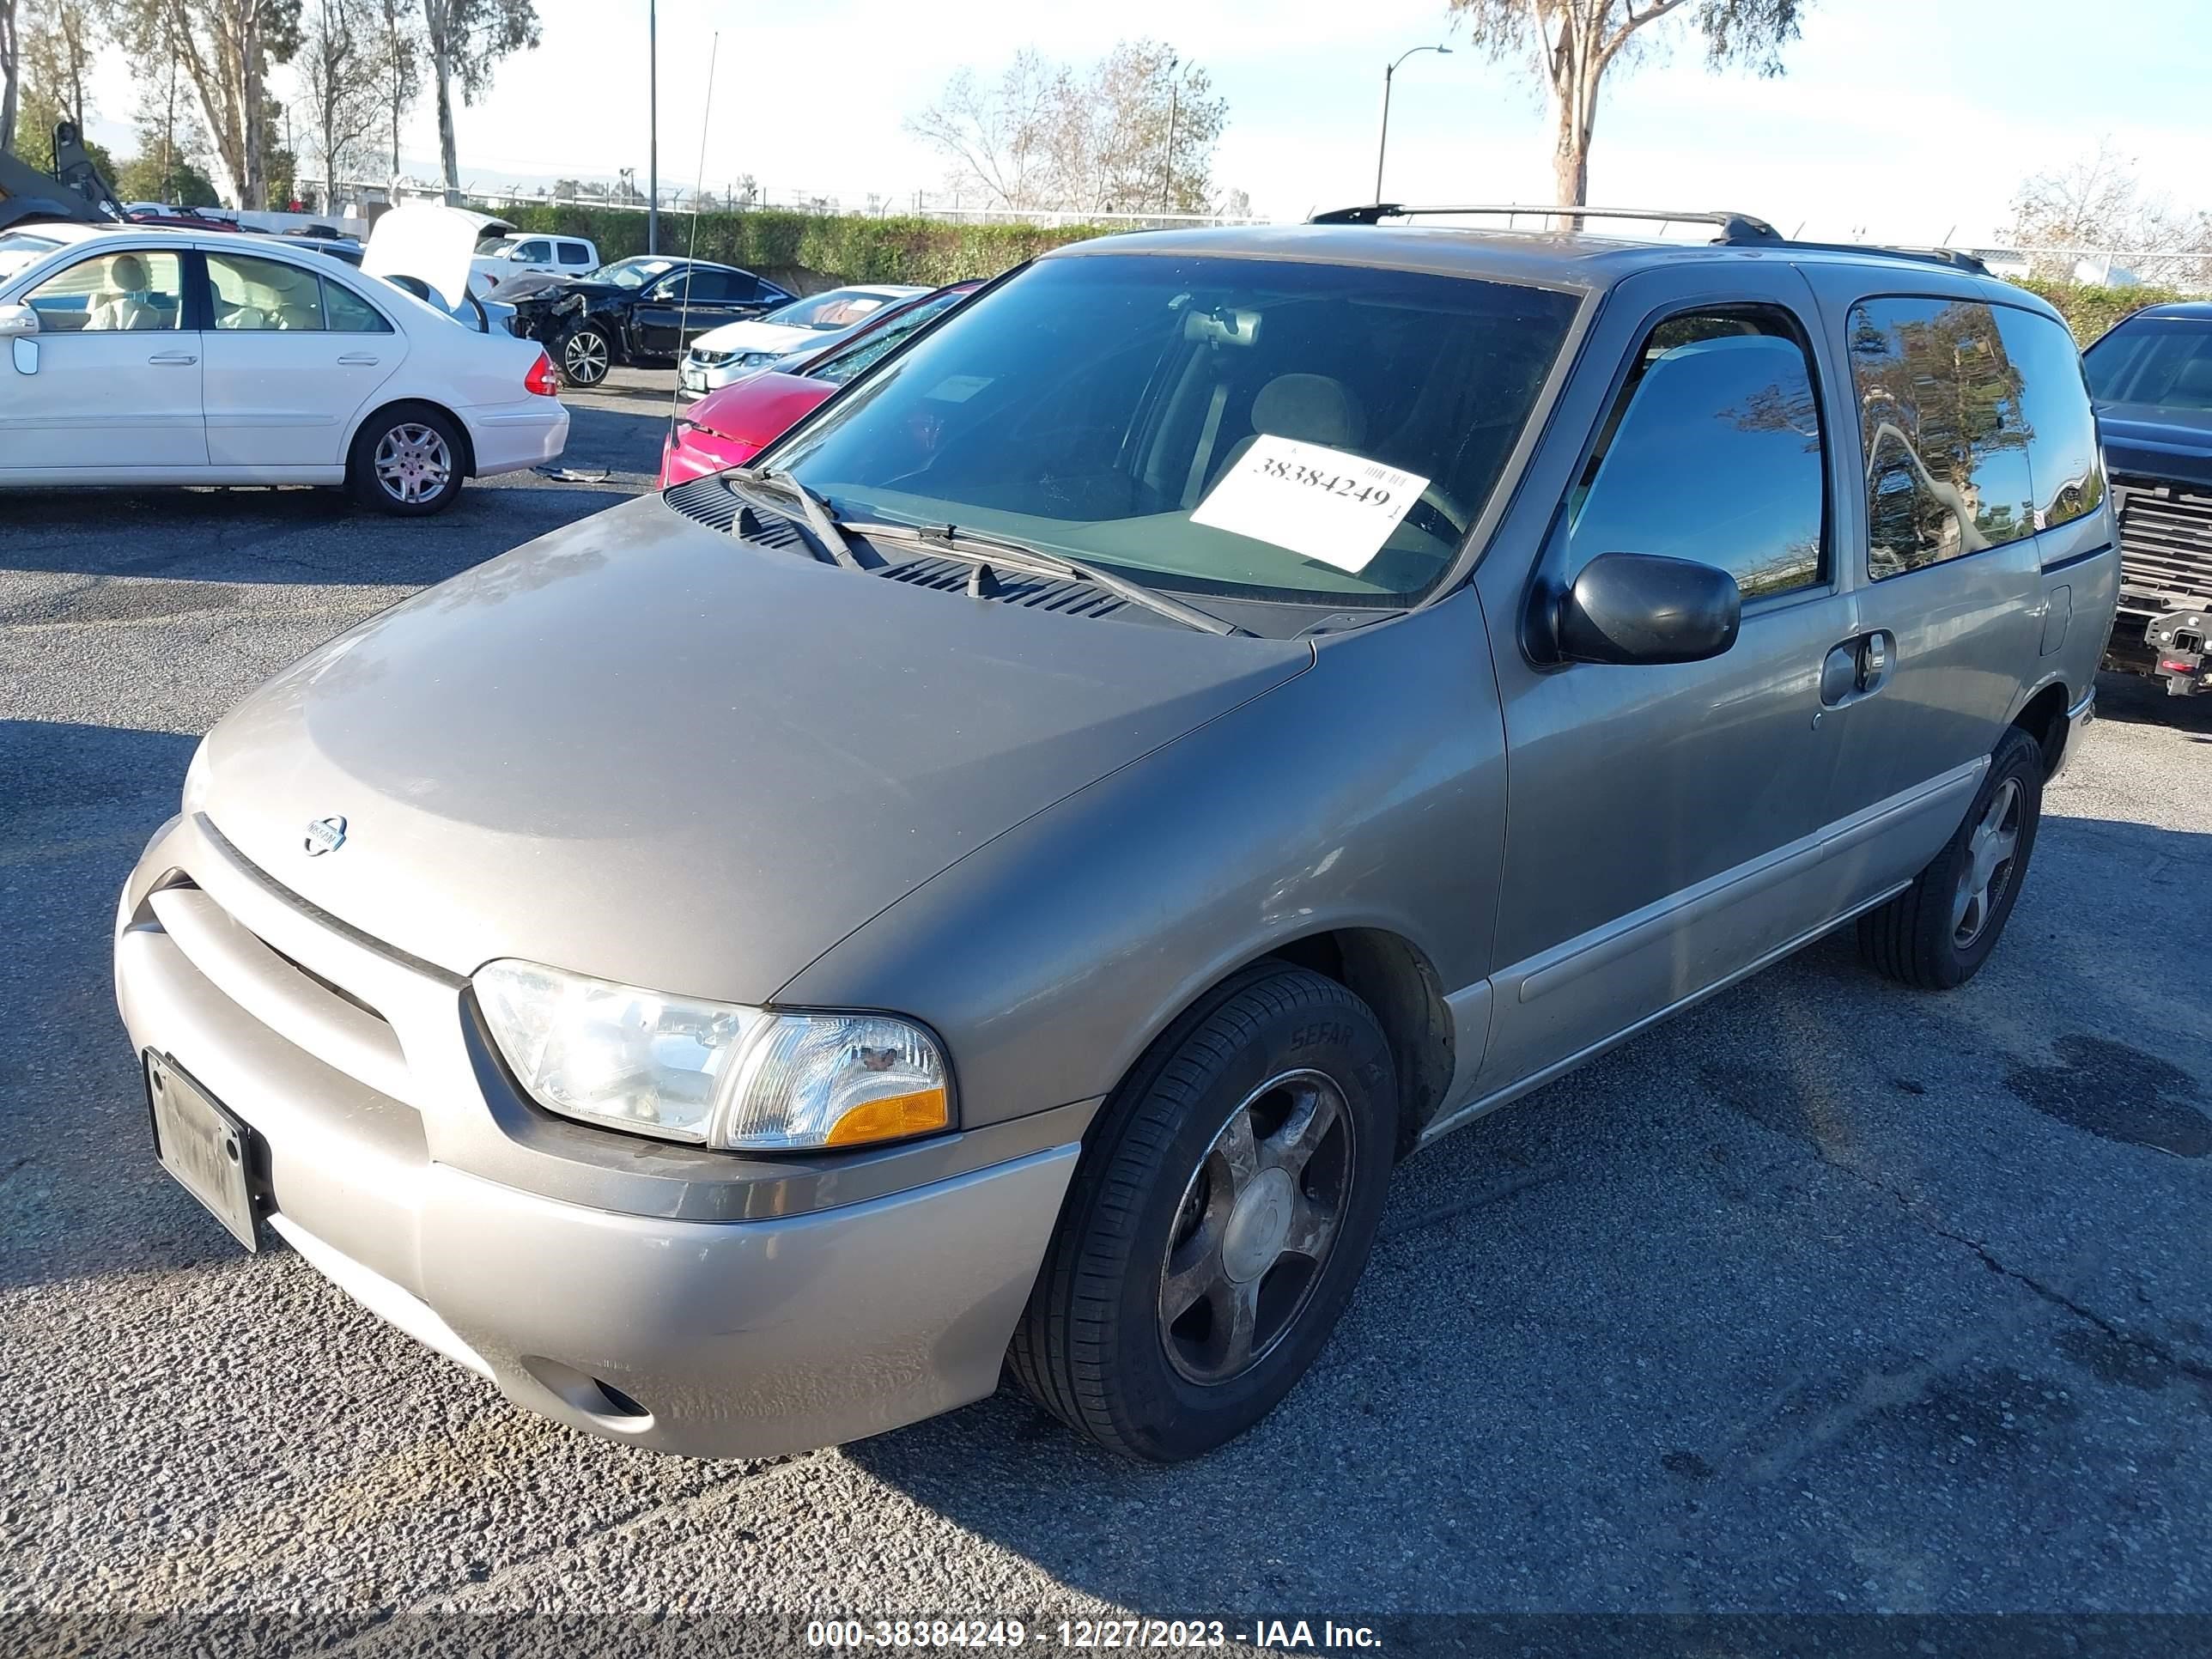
[207,1149]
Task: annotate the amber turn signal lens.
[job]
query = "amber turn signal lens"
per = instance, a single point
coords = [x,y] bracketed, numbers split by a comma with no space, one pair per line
[891,1118]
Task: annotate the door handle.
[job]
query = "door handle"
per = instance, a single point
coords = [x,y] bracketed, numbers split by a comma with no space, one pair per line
[1857,668]
[174,359]
[359,360]
[1874,661]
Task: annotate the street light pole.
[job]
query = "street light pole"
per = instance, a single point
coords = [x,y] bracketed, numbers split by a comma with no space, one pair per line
[1383,144]
[652,126]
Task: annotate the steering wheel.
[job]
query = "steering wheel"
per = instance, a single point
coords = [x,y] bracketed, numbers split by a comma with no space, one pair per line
[1441,516]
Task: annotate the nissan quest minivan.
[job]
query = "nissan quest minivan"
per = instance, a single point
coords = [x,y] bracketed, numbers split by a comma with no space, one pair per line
[1000,880]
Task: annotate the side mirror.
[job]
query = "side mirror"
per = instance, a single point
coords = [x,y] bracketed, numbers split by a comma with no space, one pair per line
[1642,608]
[16,321]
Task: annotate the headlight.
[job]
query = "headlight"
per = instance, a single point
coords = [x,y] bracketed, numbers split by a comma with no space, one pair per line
[714,1073]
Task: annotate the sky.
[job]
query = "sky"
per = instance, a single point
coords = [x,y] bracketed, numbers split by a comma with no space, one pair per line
[1903,120]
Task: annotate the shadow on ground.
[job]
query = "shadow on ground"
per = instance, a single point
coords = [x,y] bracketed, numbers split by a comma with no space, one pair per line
[318,535]
[2136,699]
[1826,1295]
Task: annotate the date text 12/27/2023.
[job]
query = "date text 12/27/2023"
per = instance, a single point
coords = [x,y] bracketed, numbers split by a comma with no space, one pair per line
[1285,1634]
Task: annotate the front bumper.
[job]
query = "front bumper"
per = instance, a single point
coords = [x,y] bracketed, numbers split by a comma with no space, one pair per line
[684,1301]
[695,378]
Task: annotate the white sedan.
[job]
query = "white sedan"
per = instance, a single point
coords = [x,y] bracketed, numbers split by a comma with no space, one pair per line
[135,355]
[737,349]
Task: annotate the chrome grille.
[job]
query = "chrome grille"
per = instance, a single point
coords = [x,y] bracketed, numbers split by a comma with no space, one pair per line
[2166,549]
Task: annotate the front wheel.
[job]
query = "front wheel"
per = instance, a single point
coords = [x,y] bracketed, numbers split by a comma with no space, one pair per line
[1217,1222]
[406,461]
[585,355]
[1938,931]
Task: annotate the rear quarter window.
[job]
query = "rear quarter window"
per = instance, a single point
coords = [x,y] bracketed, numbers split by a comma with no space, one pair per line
[2062,461]
[1944,429]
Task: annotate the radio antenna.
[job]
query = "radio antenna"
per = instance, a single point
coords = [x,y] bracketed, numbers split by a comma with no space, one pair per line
[690,253]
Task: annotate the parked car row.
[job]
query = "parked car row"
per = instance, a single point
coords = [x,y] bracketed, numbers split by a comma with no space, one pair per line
[999,878]
[756,404]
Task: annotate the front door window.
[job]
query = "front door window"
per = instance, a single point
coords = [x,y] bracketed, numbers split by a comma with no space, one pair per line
[131,292]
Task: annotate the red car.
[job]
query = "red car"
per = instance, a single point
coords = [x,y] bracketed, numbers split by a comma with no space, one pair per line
[728,427]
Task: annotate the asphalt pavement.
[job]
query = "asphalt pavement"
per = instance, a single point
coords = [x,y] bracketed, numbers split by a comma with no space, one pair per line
[1828,1296]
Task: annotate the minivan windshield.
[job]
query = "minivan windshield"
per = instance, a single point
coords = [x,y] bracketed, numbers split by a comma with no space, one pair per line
[1255,428]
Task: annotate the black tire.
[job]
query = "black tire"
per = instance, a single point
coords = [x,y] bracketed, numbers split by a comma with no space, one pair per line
[1095,1346]
[583,354]
[1919,937]
[419,474]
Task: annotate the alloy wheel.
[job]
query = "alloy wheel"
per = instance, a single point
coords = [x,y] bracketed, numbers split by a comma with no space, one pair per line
[584,358]
[413,464]
[1990,853]
[1255,1226]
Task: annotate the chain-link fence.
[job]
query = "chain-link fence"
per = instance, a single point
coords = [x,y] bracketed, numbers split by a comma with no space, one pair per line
[2186,269]
[352,196]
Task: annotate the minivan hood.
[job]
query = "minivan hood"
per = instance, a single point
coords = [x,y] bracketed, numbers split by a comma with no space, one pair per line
[640,749]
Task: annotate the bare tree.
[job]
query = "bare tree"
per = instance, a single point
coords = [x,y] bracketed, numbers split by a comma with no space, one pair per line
[1134,132]
[339,91]
[1573,43]
[170,136]
[57,49]
[2098,202]
[11,74]
[1139,134]
[399,66]
[225,48]
[998,138]
[465,38]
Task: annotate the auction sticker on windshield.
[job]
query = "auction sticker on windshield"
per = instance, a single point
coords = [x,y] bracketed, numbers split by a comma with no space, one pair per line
[1319,502]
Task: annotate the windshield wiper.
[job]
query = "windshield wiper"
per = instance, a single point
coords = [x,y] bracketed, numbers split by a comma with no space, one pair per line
[819,519]
[972,544]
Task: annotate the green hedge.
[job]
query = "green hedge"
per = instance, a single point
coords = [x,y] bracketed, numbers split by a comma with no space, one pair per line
[2090,309]
[843,247]
[855,248]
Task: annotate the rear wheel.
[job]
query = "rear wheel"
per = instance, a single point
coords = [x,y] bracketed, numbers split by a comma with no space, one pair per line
[1219,1221]
[407,460]
[585,355]
[1938,931]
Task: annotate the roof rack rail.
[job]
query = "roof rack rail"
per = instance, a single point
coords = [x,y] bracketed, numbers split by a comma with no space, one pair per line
[1956,258]
[1737,229]
[1734,227]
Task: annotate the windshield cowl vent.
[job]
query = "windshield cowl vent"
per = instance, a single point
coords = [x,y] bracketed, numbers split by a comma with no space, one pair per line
[706,500]
[1010,586]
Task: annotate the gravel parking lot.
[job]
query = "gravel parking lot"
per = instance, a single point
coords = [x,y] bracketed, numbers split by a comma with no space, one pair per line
[1829,1297]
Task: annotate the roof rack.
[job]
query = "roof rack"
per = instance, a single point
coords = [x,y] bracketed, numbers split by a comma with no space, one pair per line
[1734,227]
[1737,229]
[1957,258]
